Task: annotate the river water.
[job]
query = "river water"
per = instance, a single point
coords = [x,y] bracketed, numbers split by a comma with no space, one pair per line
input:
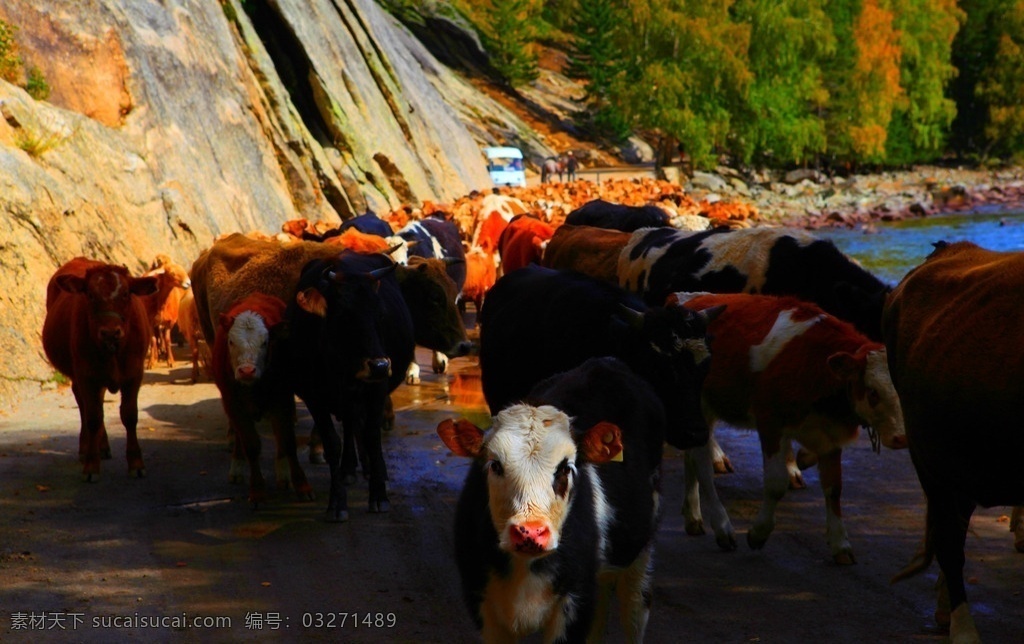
[900,246]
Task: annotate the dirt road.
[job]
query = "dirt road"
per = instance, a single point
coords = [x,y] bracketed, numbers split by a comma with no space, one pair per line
[102,562]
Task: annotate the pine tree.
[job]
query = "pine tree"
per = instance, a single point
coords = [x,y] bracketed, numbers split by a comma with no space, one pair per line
[597,60]
[509,40]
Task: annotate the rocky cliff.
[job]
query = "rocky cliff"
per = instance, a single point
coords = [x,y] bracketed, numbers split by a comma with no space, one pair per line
[170,122]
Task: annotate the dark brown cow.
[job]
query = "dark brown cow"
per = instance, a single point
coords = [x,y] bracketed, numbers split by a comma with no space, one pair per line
[96,333]
[956,353]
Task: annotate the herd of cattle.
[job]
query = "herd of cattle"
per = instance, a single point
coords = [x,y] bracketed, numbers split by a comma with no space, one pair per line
[605,337]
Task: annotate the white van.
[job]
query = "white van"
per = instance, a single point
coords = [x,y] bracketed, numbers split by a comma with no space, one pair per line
[506,166]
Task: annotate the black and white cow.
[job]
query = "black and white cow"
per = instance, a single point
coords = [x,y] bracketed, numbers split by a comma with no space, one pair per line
[350,342]
[560,506]
[435,237]
[613,216]
[766,261]
[537,322]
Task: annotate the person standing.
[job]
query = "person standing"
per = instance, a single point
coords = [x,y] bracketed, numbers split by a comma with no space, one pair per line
[571,165]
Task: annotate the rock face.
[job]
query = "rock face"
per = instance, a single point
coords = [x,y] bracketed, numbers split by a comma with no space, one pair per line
[169,123]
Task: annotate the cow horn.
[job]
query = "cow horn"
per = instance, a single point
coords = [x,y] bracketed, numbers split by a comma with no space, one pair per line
[393,249]
[381,272]
[453,260]
[632,317]
[712,313]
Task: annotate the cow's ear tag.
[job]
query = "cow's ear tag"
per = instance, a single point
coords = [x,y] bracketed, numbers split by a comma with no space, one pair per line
[602,443]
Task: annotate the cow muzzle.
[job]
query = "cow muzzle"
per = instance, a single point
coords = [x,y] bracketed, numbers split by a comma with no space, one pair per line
[375,370]
[463,348]
[110,338]
[530,538]
[245,374]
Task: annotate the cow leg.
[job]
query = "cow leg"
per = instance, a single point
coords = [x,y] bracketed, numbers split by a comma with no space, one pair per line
[247,441]
[720,459]
[702,482]
[439,362]
[796,478]
[130,420]
[90,437]
[166,331]
[236,471]
[1017,527]
[370,439]
[316,447]
[949,517]
[634,594]
[607,579]
[286,464]
[776,482]
[830,469]
[337,503]
[151,358]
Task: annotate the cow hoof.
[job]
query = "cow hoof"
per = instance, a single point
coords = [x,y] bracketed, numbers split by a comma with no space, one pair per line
[412,380]
[796,481]
[695,528]
[90,477]
[316,455]
[137,472]
[755,542]
[380,507]
[336,515]
[844,558]
[723,466]
[726,542]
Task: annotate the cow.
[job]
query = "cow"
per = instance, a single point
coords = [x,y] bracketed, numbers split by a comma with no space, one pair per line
[96,332]
[188,325]
[250,389]
[435,237]
[771,261]
[350,341]
[791,371]
[560,506]
[586,249]
[368,223]
[613,216]
[955,353]
[583,318]
[238,266]
[522,242]
[162,307]
[481,273]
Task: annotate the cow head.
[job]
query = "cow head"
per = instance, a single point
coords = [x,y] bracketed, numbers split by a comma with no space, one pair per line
[250,328]
[872,393]
[346,298]
[431,294]
[671,345]
[109,290]
[532,464]
[169,275]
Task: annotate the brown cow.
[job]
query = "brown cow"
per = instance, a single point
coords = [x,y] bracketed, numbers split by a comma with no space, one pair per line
[96,333]
[481,273]
[586,249]
[162,307]
[956,353]
[188,324]
[523,242]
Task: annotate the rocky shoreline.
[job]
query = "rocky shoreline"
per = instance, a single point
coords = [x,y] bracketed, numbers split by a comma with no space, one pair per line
[808,199]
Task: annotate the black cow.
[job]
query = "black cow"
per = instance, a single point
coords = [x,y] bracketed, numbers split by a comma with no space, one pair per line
[614,216]
[956,354]
[769,261]
[368,223]
[548,555]
[437,238]
[537,322]
[350,343]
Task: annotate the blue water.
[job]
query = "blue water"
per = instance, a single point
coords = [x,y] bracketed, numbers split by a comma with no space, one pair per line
[900,246]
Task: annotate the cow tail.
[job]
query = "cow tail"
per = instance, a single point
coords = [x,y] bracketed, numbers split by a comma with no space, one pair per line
[922,558]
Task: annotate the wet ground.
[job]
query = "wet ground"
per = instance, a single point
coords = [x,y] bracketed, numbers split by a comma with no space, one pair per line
[101,562]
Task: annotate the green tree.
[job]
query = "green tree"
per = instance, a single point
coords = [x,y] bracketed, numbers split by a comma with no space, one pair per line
[596,58]
[509,39]
[920,124]
[781,119]
[1001,87]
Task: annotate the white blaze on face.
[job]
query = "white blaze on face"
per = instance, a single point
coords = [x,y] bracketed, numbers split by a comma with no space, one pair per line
[247,346]
[531,471]
[782,332]
[879,404]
